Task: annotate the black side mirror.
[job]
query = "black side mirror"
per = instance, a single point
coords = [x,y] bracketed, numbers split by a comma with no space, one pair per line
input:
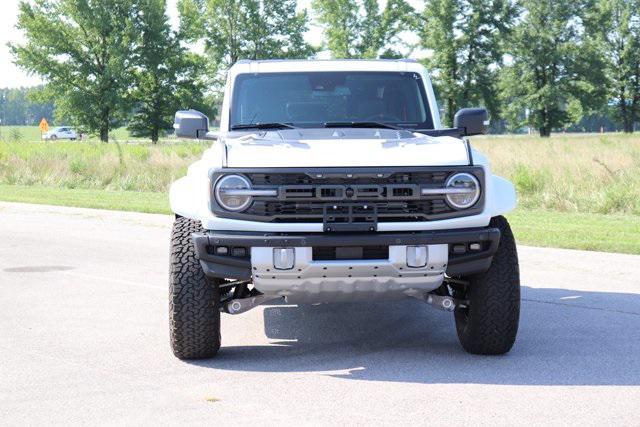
[191,124]
[471,121]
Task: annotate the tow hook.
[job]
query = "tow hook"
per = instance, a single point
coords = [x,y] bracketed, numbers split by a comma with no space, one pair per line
[237,306]
[445,303]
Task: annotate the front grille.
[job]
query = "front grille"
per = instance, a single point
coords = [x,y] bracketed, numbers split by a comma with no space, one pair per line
[362,196]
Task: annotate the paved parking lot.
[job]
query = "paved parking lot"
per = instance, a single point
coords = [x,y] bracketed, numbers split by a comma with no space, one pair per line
[84,339]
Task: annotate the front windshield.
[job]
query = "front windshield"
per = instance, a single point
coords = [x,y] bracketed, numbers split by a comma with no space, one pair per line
[312,99]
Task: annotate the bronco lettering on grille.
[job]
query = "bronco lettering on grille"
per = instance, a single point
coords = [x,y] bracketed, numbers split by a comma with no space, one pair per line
[349,192]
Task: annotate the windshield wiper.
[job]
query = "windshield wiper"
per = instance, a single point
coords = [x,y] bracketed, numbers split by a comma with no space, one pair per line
[274,125]
[361,125]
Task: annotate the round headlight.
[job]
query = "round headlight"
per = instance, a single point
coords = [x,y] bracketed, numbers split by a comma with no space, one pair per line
[463,190]
[229,193]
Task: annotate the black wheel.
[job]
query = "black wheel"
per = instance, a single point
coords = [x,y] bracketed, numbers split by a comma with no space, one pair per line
[194,301]
[490,322]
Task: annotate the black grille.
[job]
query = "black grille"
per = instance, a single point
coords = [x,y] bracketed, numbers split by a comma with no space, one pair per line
[389,194]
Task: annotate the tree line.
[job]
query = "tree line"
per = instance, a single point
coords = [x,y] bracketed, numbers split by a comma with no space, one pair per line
[20,106]
[547,65]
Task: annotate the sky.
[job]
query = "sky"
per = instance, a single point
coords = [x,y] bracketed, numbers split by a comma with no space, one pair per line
[12,76]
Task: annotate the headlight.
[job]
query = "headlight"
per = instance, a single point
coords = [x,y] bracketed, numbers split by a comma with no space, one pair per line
[462,190]
[233,193]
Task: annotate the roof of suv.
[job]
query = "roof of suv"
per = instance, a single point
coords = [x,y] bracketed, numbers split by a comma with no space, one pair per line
[298,65]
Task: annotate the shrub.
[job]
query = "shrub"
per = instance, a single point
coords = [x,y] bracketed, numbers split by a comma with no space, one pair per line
[528,182]
[15,135]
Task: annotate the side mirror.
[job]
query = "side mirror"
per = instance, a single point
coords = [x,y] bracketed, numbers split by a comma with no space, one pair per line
[191,124]
[471,121]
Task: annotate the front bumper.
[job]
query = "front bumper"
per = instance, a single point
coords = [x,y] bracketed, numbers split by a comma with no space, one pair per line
[244,267]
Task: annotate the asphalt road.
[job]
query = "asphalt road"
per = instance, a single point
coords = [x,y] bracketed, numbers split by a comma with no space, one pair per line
[84,339]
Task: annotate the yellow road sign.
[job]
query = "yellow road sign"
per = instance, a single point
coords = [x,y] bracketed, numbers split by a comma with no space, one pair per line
[44,125]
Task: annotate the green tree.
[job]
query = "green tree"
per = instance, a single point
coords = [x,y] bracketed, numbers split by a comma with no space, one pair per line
[359,29]
[556,75]
[38,107]
[166,77]
[614,25]
[438,33]
[244,29]
[467,41]
[22,106]
[82,48]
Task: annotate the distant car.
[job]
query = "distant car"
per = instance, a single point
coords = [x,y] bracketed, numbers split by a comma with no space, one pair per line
[62,132]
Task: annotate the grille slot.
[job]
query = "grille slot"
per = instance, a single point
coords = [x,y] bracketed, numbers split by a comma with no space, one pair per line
[402,192]
[296,192]
[326,193]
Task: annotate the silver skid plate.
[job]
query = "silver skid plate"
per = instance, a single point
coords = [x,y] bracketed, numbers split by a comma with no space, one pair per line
[312,281]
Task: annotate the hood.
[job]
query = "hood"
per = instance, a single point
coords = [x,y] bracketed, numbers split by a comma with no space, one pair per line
[343,147]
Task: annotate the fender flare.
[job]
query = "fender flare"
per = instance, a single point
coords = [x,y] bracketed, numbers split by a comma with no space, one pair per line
[504,198]
[185,197]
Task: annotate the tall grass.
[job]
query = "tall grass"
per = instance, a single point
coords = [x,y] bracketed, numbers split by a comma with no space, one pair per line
[95,165]
[570,173]
[566,173]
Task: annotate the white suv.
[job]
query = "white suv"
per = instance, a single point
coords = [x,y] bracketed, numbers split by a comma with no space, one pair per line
[62,132]
[335,181]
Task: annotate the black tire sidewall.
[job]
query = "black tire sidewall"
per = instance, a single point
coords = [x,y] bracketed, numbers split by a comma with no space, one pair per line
[490,324]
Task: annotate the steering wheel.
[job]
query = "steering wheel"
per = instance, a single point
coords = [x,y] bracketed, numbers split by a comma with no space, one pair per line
[383,117]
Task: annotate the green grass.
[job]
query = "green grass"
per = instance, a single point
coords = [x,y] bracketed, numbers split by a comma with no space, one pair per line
[20,133]
[609,233]
[135,201]
[586,231]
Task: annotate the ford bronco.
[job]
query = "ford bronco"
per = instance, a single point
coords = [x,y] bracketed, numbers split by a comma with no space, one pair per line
[336,181]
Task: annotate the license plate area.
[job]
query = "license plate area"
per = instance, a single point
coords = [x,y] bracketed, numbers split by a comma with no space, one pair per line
[350,217]
[352,253]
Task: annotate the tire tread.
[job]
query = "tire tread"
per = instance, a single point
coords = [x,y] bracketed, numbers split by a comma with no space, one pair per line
[194,315]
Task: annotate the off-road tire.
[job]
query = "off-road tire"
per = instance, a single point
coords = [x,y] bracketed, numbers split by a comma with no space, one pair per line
[490,323]
[194,301]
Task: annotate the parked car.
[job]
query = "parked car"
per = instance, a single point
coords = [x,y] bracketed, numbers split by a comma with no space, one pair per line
[336,181]
[61,132]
